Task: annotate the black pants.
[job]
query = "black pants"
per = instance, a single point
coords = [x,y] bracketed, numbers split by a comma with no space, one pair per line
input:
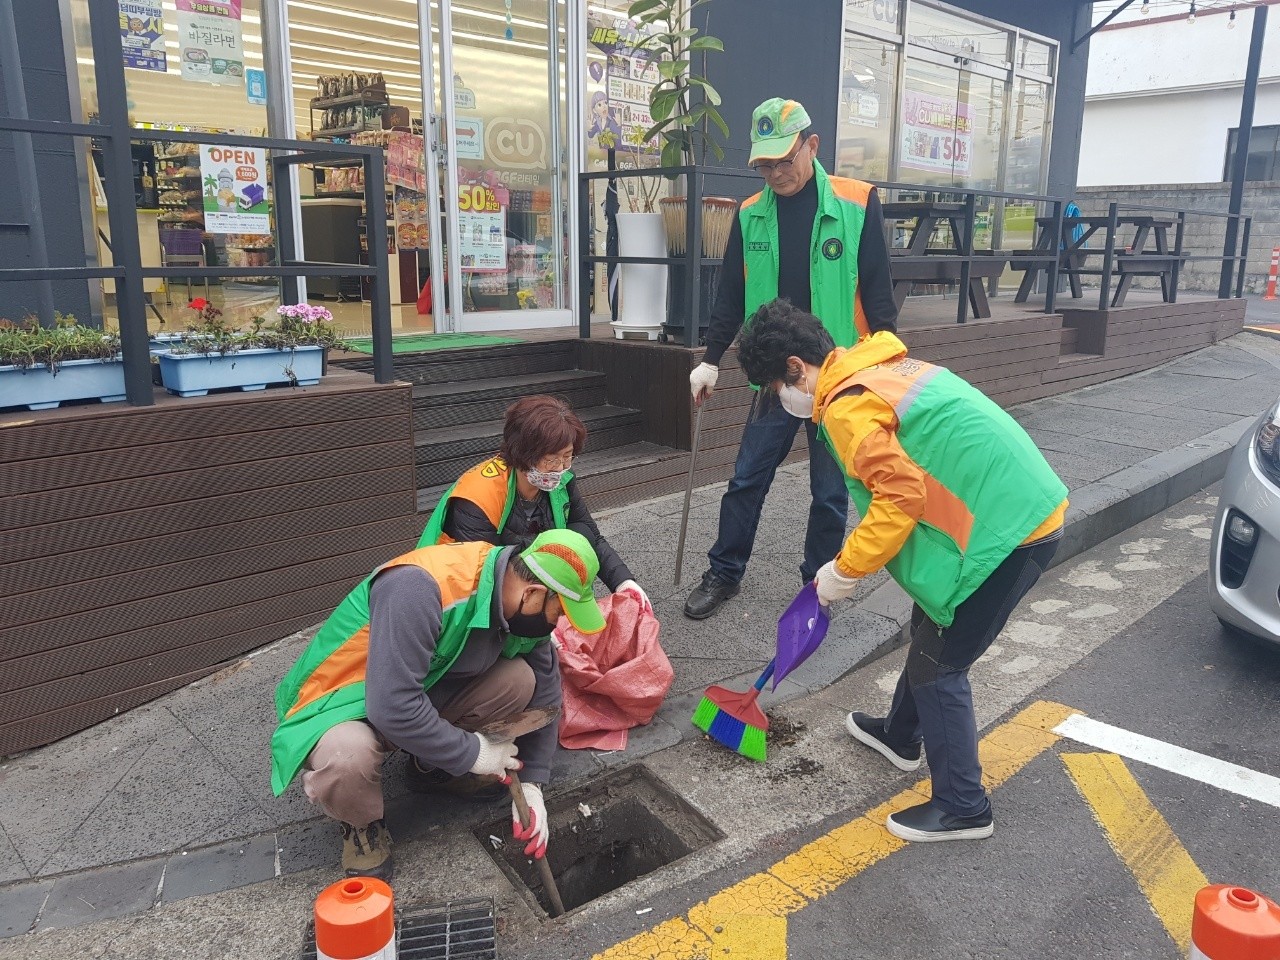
[933,699]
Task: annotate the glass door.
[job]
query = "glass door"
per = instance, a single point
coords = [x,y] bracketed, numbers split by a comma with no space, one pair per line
[501,66]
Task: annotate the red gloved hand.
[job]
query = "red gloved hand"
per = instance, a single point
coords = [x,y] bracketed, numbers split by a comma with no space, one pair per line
[538,831]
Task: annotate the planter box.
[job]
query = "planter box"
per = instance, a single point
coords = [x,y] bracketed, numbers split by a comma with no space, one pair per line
[194,375]
[36,389]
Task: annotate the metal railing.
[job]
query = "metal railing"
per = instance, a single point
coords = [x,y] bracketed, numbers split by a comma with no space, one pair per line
[116,134]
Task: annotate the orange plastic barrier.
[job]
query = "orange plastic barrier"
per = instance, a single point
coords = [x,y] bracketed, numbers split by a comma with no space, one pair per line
[355,920]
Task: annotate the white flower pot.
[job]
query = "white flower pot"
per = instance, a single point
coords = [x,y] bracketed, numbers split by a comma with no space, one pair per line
[644,285]
[194,374]
[36,389]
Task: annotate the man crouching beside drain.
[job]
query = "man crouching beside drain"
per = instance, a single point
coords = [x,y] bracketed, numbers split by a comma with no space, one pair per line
[428,652]
[956,502]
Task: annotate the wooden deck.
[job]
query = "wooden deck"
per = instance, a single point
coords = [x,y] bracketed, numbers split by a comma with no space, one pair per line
[144,546]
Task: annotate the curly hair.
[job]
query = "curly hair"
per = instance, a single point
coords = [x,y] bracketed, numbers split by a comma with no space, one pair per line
[777,331]
[536,427]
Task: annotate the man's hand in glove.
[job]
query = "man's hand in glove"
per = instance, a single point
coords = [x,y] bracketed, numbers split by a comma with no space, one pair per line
[538,830]
[702,380]
[496,757]
[834,585]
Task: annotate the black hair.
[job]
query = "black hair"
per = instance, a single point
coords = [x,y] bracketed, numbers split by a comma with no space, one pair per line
[776,331]
[521,569]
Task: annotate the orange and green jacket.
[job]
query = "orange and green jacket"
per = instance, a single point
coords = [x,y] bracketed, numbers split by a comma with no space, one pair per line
[947,483]
[491,486]
[327,684]
[833,254]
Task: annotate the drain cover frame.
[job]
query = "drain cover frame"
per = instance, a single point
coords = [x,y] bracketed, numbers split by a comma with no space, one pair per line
[444,930]
[684,830]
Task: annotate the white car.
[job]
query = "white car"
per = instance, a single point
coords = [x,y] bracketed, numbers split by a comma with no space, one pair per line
[1244,560]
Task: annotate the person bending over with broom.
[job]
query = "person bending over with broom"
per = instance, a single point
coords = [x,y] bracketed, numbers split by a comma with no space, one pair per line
[957,503]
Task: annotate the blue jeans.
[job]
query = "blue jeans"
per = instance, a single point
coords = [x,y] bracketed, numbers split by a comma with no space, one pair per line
[766,441]
[933,699]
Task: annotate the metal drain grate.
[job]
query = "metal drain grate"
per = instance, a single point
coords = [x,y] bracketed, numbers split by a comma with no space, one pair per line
[453,930]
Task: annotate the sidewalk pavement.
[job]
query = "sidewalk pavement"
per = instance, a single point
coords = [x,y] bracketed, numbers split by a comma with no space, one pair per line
[172,800]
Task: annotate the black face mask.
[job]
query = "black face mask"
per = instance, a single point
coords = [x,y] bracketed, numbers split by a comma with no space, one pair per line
[530,625]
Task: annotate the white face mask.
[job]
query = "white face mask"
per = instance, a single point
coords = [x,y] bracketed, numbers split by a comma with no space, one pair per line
[546,480]
[796,401]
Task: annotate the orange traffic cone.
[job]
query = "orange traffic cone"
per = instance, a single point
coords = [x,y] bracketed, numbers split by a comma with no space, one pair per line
[355,920]
[1271,275]
[1232,923]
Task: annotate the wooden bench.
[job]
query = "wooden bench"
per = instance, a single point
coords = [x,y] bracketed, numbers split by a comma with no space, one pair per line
[946,269]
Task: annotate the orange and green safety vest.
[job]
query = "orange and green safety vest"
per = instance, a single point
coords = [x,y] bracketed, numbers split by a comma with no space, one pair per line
[833,254]
[491,486]
[987,486]
[327,684]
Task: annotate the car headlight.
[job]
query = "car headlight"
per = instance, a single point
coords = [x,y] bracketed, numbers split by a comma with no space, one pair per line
[1266,444]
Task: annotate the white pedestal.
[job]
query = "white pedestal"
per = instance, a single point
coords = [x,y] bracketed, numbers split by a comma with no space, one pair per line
[644,285]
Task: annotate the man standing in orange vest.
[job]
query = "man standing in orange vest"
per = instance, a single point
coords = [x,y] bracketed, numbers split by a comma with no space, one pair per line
[819,242]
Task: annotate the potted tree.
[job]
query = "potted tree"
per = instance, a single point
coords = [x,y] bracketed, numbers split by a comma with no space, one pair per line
[213,355]
[640,234]
[42,367]
[686,116]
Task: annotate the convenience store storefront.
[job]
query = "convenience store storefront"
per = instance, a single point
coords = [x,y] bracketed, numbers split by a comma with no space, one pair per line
[912,91]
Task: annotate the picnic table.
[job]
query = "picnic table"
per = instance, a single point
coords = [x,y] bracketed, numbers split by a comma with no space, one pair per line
[918,262]
[1133,260]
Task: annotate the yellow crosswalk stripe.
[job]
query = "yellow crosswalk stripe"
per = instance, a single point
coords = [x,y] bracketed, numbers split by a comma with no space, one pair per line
[1141,837]
[749,917]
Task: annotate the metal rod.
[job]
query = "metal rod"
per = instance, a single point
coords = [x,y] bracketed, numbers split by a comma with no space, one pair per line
[1059,241]
[575,62]
[282,122]
[26,175]
[375,226]
[282,179]
[1177,257]
[1241,158]
[966,251]
[1109,255]
[122,216]
[1244,257]
[1075,44]
[556,153]
[453,319]
[544,868]
[694,183]
[688,490]
[586,277]
[432,158]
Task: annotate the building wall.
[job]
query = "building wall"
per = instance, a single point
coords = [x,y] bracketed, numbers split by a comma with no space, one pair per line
[1162,94]
[1204,236]
[45,78]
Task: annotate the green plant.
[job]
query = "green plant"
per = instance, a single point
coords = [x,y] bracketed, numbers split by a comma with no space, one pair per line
[642,191]
[684,105]
[296,325]
[26,344]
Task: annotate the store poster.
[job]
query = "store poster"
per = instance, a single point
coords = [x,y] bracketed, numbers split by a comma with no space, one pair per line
[413,231]
[405,163]
[255,85]
[210,42]
[937,134]
[482,228]
[234,184]
[468,133]
[142,35]
[618,110]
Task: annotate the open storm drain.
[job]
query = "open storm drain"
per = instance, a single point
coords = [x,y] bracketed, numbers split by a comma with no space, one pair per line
[453,930]
[603,835]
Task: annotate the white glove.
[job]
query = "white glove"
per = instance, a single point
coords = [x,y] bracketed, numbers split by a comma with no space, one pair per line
[834,585]
[702,380]
[496,757]
[633,588]
[538,831]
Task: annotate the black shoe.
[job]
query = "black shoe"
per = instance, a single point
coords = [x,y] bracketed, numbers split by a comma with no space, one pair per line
[707,597]
[925,823]
[870,730]
[469,786]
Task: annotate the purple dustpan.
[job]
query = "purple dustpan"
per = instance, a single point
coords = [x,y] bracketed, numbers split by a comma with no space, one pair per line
[800,631]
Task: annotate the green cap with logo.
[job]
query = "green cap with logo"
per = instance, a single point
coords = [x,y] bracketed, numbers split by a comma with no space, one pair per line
[775,126]
[564,561]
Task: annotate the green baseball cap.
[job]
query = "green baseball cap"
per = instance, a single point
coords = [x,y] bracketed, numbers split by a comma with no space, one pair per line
[564,561]
[775,126]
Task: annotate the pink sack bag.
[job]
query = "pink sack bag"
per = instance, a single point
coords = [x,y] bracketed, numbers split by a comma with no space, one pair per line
[614,680]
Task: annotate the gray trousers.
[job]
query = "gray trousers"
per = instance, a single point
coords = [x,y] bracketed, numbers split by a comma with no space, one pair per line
[343,772]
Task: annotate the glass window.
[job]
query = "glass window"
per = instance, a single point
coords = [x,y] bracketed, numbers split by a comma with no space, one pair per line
[951,127]
[1261,164]
[867,95]
[956,36]
[883,15]
[1034,57]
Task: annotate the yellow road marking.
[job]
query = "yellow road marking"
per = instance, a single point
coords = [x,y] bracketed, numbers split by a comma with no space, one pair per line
[749,918]
[1141,837]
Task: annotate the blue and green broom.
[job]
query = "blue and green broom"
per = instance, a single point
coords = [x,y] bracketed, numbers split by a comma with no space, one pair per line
[735,719]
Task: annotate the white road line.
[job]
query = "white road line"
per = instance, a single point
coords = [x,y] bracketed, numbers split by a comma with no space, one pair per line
[1195,766]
